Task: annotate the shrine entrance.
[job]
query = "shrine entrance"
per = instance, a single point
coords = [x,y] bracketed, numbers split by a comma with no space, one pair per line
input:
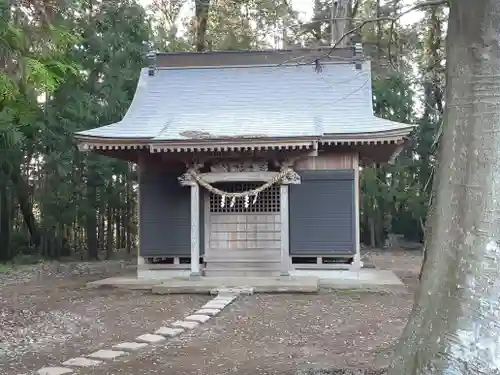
[243,236]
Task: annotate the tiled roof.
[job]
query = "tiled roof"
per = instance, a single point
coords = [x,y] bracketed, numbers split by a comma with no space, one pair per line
[250,101]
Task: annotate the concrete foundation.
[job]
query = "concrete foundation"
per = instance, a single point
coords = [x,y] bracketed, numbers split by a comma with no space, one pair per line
[343,279]
[259,285]
[300,281]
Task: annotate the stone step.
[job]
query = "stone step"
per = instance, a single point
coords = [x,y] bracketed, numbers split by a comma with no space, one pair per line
[241,260]
[241,272]
[324,266]
[224,265]
[244,253]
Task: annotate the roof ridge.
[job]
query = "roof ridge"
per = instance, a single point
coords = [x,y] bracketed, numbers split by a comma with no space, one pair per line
[269,65]
[255,51]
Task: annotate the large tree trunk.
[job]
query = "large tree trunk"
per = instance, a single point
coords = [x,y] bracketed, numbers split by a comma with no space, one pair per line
[454,327]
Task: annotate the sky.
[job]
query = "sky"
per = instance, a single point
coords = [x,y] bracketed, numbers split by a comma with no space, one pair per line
[305,9]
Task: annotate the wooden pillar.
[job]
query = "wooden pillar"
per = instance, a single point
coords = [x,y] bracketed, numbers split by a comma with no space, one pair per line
[293,178]
[140,169]
[195,230]
[285,233]
[187,180]
[356,264]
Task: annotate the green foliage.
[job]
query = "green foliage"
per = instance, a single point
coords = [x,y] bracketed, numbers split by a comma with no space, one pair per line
[8,89]
[86,65]
[395,198]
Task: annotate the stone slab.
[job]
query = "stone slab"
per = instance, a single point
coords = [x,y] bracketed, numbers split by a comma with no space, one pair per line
[215,305]
[130,346]
[130,283]
[226,296]
[185,324]
[150,338]
[232,291]
[169,332]
[210,312]
[322,370]
[342,279]
[221,301]
[226,299]
[81,362]
[54,371]
[206,285]
[198,318]
[107,354]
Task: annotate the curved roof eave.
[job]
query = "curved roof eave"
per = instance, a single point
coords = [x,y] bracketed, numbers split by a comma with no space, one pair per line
[394,136]
[398,129]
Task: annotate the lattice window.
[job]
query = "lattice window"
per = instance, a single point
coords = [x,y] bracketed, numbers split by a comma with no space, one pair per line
[267,201]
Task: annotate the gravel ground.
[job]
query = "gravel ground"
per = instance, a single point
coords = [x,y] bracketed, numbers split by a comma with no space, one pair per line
[261,334]
[405,264]
[281,334]
[47,316]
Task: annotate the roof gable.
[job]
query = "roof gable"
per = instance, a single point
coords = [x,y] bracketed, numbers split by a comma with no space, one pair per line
[253,57]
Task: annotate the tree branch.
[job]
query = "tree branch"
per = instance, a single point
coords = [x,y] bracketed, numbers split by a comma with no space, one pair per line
[393,20]
[363,23]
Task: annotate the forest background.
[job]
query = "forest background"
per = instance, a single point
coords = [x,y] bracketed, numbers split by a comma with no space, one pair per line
[70,65]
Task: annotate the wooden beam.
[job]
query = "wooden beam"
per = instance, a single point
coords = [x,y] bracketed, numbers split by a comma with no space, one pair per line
[212,177]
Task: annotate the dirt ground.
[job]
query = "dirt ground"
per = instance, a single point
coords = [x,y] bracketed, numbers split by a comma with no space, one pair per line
[49,319]
[44,321]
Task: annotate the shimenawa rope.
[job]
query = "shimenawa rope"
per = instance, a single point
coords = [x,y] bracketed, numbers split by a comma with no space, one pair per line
[279,177]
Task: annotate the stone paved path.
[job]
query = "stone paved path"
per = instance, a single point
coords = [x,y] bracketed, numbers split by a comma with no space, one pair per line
[99,359]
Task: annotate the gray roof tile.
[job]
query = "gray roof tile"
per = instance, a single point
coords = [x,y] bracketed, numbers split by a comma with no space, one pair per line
[250,101]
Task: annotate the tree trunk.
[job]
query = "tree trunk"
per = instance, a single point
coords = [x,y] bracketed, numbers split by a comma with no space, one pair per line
[119,228]
[371,223]
[454,326]
[340,22]
[5,229]
[23,196]
[109,232]
[433,95]
[378,32]
[201,18]
[91,217]
[101,232]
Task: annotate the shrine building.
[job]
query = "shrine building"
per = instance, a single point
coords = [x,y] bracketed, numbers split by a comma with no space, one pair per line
[248,161]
